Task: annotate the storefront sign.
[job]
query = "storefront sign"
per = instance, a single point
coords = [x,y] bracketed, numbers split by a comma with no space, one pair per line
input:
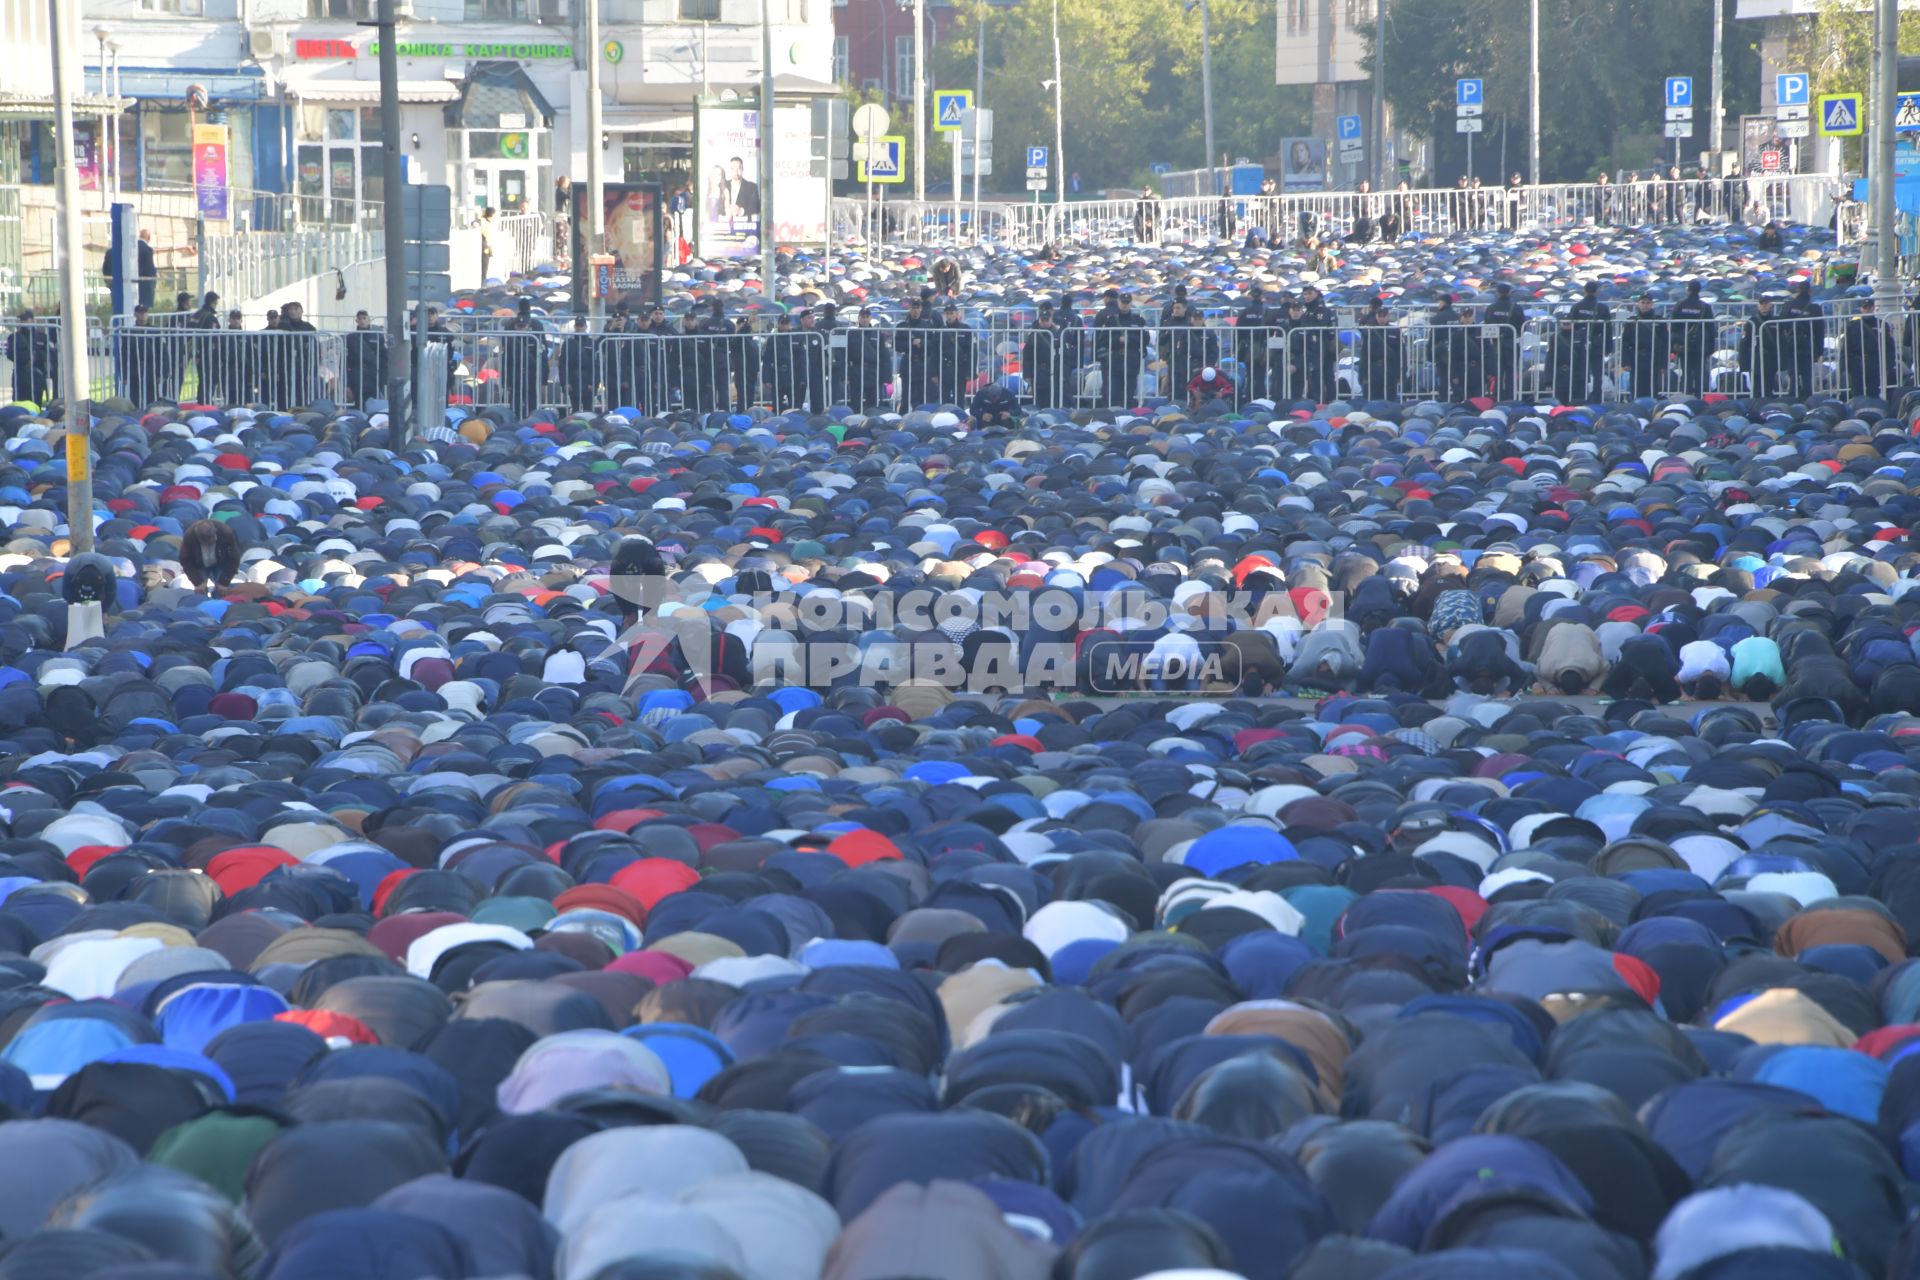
[614,50]
[210,170]
[457,49]
[308,49]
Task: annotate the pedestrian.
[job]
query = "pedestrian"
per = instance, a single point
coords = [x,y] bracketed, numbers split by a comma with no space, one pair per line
[301,356]
[487,228]
[1646,348]
[1508,321]
[1186,347]
[1258,331]
[30,351]
[523,361]
[959,357]
[1694,340]
[1869,354]
[1382,359]
[579,367]
[870,364]
[1763,349]
[365,354]
[1805,338]
[1120,345]
[918,348]
[1591,321]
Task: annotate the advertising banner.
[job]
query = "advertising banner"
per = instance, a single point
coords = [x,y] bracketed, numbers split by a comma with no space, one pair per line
[727,191]
[210,170]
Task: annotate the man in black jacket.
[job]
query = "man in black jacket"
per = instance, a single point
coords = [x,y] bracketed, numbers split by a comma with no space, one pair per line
[1871,358]
[1040,361]
[1380,352]
[1646,342]
[1255,328]
[1694,339]
[1120,344]
[1508,320]
[1591,321]
[363,357]
[1763,349]
[869,364]
[1452,354]
[958,358]
[301,355]
[918,352]
[579,357]
[1803,339]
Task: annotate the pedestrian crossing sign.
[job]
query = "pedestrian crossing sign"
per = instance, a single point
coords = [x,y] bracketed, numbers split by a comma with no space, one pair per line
[885,160]
[1840,115]
[1906,115]
[950,107]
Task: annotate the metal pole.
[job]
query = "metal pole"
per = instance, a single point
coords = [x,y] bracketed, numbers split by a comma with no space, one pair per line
[769,266]
[596,158]
[979,97]
[1533,104]
[1714,132]
[114,50]
[1206,93]
[64,21]
[100,130]
[1380,94]
[920,101]
[399,364]
[1059,113]
[1886,281]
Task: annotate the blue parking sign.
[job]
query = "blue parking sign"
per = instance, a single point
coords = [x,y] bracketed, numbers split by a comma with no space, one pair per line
[1349,128]
[1469,92]
[1036,157]
[1679,91]
[1792,89]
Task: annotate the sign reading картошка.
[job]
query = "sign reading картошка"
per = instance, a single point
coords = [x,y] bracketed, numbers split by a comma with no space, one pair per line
[416,49]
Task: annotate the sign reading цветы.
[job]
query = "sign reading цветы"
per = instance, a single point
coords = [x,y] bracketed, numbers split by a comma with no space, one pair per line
[417,49]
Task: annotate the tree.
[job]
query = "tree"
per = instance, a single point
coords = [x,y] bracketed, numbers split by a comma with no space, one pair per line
[1836,48]
[1602,92]
[1133,83]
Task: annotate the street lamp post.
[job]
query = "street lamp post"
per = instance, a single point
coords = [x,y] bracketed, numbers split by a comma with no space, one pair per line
[1206,88]
[1059,113]
[100,160]
[920,101]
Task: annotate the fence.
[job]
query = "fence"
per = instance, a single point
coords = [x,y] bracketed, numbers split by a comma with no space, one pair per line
[244,267]
[1806,198]
[1443,356]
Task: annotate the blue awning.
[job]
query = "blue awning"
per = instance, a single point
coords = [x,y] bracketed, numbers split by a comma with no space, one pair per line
[241,84]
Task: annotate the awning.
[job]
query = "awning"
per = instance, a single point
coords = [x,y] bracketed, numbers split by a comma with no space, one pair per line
[368,91]
[636,93]
[170,84]
[650,124]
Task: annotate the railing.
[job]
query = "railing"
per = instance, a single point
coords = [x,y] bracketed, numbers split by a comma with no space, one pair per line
[1544,359]
[1803,199]
[240,268]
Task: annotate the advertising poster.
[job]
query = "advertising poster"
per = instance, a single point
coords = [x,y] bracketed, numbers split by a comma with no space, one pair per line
[210,170]
[633,241]
[728,199]
[86,154]
[1303,164]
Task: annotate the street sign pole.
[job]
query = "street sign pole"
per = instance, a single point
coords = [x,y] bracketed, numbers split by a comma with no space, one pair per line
[1886,282]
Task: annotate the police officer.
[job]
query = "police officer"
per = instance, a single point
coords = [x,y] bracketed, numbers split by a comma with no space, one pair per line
[1253,327]
[869,363]
[1508,318]
[1802,339]
[1587,367]
[1380,352]
[1693,340]
[1762,349]
[1646,343]
[1870,357]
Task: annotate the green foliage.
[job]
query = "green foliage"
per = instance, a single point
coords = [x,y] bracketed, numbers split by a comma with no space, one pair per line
[1837,49]
[1602,68]
[1133,83]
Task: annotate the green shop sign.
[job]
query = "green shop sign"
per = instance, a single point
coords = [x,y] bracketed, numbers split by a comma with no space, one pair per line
[522,52]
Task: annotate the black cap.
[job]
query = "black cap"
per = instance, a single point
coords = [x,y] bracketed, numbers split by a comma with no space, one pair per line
[1693,287]
[1503,290]
[1111,295]
[1592,287]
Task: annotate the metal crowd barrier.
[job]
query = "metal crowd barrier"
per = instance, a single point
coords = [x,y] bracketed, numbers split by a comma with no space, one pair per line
[232,366]
[1801,198]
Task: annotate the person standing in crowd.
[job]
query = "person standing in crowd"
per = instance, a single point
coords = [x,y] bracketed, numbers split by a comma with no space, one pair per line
[1040,360]
[365,356]
[658,370]
[622,359]
[562,219]
[1125,335]
[1762,352]
[146,270]
[1508,319]
[1309,359]
[1869,355]
[1694,340]
[1186,347]
[1448,340]
[959,357]
[916,345]
[1733,194]
[579,367]
[137,360]
[30,351]
[1381,353]
[1603,200]
[1254,329]
[1516,195]
[833,350]
[811,349]
[236,361]
[302,355]
[1646,346]
[869,364]
[487,229]
[780,364]
[523,361]
[1804,338]
[741,355]
[1676,195]
[1591,320]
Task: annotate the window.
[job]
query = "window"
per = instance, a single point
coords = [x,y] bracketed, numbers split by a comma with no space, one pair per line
[902,66]
[839,4]
[699,10]
[840,57]
[1296,16]
[1358,12]
[797,12]
[543,11]
[185,8]
[354,10]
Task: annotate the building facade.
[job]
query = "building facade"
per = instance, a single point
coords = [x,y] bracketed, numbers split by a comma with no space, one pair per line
[493,92]
[1323,43]
[873,44]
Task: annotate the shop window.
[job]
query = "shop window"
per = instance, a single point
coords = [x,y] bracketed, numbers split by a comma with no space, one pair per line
[902,66]
[184,8]
[699,10]
[542,11]
[841,58]
[353,10]
[167,147]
